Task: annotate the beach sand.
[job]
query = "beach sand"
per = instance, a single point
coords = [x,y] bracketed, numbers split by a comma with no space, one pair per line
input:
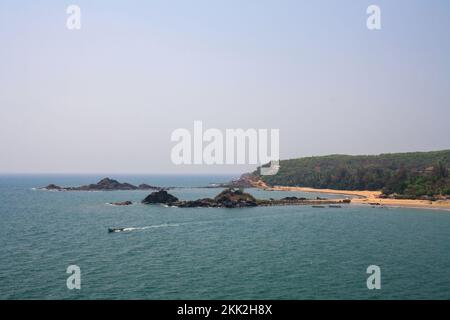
[367,197]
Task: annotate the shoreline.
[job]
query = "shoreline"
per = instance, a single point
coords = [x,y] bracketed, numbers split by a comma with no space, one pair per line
[366,197]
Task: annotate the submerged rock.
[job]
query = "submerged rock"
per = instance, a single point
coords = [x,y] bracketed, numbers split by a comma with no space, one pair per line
[123,203]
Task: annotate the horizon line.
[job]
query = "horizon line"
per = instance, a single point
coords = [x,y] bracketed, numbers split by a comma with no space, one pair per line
[119,173]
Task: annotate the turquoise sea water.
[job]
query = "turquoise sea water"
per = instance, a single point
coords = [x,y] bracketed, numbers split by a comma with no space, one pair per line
[296,252]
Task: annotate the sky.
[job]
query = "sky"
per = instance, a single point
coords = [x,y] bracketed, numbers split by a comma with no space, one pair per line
[107,97]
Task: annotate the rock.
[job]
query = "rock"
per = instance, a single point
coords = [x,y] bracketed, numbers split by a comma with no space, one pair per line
[293,199]
[53,187]
[105,184]
[246,180]
[200,203]
[145,186]
[228,198]
[108,184]
[231,198]
[234,195]
[161,196]
[124,203]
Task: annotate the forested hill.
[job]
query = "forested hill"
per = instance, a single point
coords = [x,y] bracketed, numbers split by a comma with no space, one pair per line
[409,175]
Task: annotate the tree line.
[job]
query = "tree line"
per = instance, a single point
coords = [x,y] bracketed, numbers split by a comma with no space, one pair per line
[400,175]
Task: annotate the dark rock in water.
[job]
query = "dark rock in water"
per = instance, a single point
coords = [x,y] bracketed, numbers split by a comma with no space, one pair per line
[105,184]
[53,187]
[230,198]
[245,181]
[293,199]
[234,195]
[200,203]
[145,186]
[124,203]
[161,196]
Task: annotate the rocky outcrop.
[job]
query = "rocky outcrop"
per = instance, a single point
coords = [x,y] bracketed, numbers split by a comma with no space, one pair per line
[161,197]
[293,198]
[105,184]
[246,180]
[145,186]
[53,187]
[230,198]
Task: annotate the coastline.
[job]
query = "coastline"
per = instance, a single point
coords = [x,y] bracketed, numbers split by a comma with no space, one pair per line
[366,197]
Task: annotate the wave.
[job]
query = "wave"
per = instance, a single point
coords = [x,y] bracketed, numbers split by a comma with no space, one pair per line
[168,206]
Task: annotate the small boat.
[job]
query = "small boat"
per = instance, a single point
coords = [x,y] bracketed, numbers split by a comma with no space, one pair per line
[334,206]
[115,229]
[318,206]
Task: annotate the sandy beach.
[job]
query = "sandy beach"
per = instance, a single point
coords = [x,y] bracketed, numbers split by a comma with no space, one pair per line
[367,197]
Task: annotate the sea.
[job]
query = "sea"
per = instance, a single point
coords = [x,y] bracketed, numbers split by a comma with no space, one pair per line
[282,252]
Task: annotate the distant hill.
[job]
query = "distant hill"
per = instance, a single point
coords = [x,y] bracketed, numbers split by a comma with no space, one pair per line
[400,175]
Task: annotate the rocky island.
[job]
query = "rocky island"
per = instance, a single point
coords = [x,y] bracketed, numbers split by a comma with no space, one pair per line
[105,184]
[232,198]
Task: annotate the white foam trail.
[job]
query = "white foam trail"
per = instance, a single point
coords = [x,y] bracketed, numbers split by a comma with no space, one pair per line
[165,225]
[129,229]
[159,226]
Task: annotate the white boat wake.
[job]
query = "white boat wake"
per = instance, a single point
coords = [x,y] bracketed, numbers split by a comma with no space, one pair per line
[128,229]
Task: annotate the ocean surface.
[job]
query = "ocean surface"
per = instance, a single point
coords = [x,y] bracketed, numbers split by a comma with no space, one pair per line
[288,252]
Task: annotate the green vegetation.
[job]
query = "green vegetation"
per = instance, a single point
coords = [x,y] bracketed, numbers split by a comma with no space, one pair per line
[400,175]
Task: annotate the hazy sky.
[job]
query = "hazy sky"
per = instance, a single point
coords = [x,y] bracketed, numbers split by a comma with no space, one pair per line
[107,97]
